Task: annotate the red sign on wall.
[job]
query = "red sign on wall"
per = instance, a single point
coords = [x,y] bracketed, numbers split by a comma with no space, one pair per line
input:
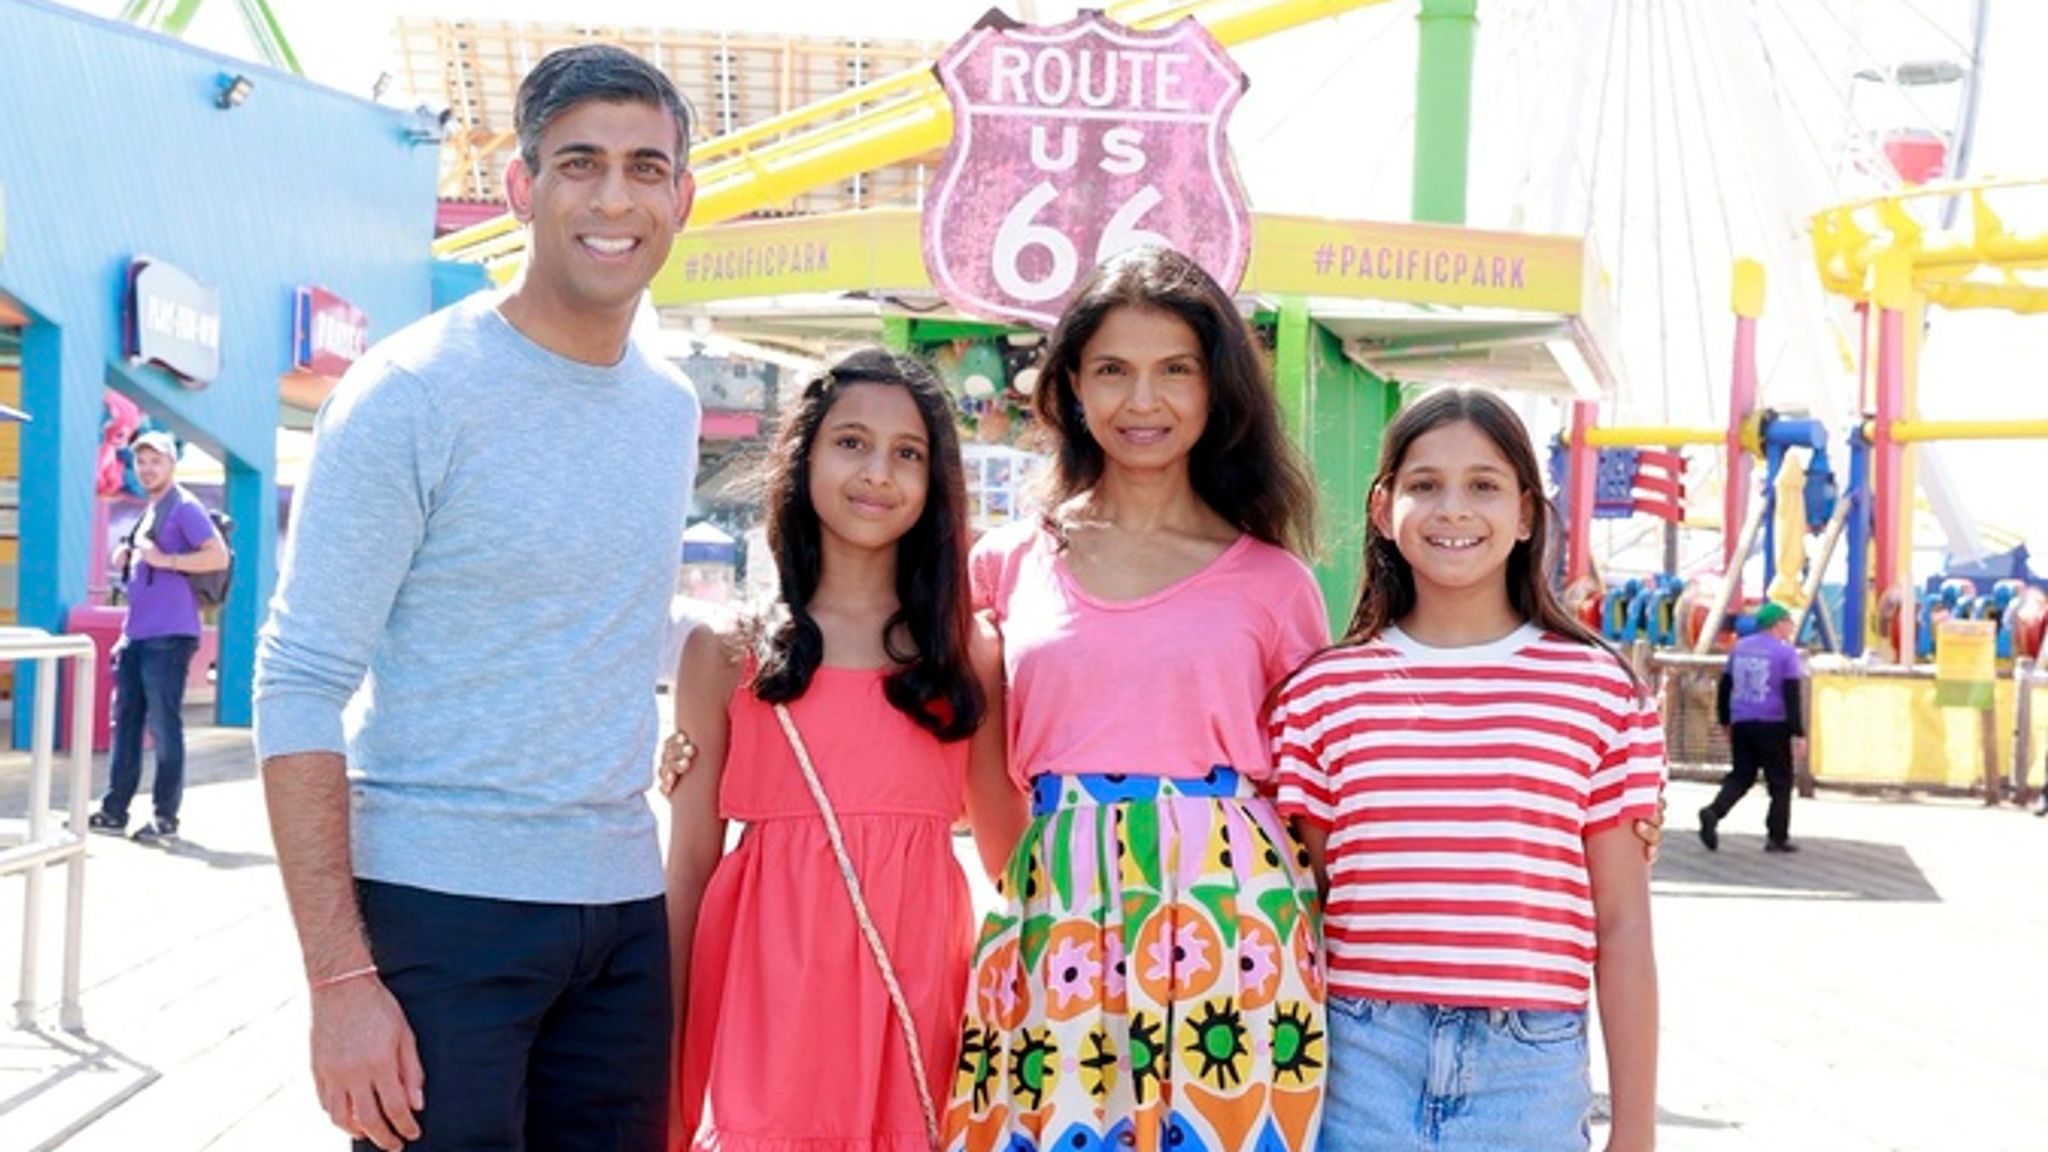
[328,333]
[1071,144]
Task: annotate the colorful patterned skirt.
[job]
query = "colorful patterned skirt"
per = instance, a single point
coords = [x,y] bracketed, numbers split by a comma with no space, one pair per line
[1153,982]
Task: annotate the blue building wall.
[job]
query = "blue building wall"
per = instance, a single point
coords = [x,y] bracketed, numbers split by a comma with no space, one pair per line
[111,147]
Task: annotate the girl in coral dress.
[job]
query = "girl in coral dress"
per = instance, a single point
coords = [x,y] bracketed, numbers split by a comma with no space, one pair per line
[790,1035]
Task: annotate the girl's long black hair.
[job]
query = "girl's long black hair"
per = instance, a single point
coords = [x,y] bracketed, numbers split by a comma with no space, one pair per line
[927,636]
[1243,467]
[1387,584]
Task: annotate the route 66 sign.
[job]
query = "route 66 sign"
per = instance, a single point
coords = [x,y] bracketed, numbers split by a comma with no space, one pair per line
[1071,144]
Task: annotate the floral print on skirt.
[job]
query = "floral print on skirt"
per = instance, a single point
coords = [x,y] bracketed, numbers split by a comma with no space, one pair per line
[1154,980]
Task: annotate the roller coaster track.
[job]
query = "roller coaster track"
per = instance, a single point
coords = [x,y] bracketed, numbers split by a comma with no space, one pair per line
[1977,268]
[892,119]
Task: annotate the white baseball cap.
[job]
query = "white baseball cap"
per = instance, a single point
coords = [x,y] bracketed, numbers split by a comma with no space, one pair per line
[159,441]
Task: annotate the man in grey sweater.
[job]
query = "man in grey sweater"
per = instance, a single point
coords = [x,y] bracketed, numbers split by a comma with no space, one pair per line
[480,570]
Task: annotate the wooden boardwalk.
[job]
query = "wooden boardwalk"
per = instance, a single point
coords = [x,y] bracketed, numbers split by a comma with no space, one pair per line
[1881,990]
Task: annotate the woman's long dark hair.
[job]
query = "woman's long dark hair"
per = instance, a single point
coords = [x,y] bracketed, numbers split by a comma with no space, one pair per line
[1243,466]
[927,636]
[1387,585]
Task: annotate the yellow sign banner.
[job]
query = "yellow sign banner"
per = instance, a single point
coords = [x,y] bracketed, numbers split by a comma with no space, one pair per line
[1416,264]
[880,250]
[1891,732]
[1965,663]
[875,250]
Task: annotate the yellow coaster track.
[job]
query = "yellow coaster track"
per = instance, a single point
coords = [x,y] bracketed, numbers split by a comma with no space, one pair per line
[877,124]
[1866,246]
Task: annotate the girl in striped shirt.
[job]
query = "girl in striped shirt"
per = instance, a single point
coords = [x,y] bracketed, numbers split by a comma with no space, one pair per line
[1463,769]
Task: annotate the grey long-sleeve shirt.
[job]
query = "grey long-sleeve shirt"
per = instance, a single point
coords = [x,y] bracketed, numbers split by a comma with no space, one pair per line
[481,563]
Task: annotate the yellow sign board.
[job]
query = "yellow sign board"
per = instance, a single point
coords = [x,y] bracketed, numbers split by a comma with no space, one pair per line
[1416,264]
[1965,663]
[1891,731]
[876,250]
[879,250]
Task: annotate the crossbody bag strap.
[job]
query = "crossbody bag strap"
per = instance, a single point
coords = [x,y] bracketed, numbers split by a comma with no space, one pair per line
[867,925]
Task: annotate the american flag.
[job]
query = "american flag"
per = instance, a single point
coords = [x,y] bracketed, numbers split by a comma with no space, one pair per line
[1632,480]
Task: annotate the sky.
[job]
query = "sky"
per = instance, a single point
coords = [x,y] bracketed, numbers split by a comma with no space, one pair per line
[1326,129]
[346,44]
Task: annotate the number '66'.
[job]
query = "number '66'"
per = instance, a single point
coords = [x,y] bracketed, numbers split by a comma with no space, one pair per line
[1021,231]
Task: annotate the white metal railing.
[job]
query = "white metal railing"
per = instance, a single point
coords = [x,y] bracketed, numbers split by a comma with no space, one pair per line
[47,845]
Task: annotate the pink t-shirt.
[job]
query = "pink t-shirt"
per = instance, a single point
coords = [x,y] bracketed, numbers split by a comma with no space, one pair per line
[1171,684]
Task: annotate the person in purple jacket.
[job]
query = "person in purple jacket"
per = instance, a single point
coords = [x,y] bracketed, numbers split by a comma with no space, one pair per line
[174,542]
[1759,703]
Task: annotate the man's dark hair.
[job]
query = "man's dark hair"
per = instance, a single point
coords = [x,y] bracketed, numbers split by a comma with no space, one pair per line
[567,77]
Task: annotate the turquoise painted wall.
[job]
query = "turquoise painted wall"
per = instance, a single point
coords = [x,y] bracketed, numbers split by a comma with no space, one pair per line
[111,147]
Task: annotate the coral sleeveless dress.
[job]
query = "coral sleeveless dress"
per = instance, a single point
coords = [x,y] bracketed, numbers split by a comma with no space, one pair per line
[790,1040]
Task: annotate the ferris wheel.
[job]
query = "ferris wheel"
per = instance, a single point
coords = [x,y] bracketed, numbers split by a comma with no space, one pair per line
[1679,138]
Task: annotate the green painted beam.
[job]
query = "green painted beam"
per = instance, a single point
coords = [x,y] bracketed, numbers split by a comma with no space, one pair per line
[925,331]
[174,17]
[179,18]
[269,35]
[1443,109]
[1291,383]
[896,335]
[1349,407]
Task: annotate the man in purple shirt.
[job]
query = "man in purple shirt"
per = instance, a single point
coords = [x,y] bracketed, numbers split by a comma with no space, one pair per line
[1759,703]
[174,541]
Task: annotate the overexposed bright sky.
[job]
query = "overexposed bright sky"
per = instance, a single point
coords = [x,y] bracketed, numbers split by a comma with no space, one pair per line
[1327,128]
[346,43]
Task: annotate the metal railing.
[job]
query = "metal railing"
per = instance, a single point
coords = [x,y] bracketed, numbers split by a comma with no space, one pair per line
[47,844]
[1694,742]
[1696,745]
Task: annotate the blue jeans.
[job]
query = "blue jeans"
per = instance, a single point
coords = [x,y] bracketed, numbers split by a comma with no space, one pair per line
[149,687]
[1438,1079]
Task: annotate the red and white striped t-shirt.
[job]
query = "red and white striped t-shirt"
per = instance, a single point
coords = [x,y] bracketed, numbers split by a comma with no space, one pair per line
[1458,787]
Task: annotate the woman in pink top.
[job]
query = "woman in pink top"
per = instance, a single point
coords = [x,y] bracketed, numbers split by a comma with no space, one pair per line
[790,1036]
[1153,980]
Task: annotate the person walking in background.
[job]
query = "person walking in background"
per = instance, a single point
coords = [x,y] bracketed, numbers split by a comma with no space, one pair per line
[1759,703]
[1462,770]
[174,541]
[471,859]
[1154,974]
[791,1036]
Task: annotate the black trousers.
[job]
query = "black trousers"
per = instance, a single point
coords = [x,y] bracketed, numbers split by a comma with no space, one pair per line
[1766,745]
[541,1027]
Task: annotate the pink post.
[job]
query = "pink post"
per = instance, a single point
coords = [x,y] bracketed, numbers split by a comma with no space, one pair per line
[1888,455]
[96,554]
[1746,295]
[1741,401]
[1582,464]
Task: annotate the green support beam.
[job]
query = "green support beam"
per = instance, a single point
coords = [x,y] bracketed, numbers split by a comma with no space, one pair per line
[1443,109]
[269,35]
[896,334]
[1337,411]
[173,17]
